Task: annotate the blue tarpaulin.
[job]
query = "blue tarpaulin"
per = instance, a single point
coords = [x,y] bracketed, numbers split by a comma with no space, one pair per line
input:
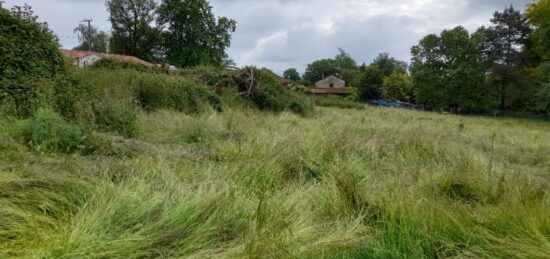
[385,103]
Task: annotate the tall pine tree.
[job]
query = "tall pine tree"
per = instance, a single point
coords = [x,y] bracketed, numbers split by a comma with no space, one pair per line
[505,41]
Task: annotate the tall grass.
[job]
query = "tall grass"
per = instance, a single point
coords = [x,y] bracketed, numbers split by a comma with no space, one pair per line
[345,183]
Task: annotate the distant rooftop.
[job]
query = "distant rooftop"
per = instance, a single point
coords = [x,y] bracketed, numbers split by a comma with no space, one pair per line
[77,54]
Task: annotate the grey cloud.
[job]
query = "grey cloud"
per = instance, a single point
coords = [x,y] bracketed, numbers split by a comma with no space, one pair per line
[291,33]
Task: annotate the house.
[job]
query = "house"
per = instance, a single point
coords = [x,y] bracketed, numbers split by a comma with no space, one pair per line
[330,85]
[87,58]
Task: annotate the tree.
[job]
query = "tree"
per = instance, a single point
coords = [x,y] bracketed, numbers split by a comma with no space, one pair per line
[539,16]
[92,39]
[398,86]
[29,51]
[132,29]
[343,66]
[370,79]
[448,70]
[389,65]
[369,83]
[194,36]
[505,41]
[292,74]
[319,69]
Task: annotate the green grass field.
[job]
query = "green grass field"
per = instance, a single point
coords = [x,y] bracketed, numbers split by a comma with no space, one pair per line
[342,183]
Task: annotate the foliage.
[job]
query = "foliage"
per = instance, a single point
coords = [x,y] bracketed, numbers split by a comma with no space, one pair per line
[505,43]
[102,99]
[369,83]
[371,183]
[267,94]
[47,132]
[398,86]
[292,74]
[449,70]
[193,36]
[343,65]
[132,30]
[389,65]
[537,13]
[92,39]
[106,63]
[171,92]
[28,53]
[251,85]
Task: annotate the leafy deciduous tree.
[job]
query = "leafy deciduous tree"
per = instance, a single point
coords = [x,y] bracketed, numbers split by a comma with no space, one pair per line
[539,16]
[194,36]
[398,86]
[369,83]
[389,65]
[448,70]
[133,32]
[92,39]
[343,65]
[292,74]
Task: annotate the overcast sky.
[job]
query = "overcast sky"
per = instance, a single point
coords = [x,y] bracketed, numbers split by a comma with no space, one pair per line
[291,33]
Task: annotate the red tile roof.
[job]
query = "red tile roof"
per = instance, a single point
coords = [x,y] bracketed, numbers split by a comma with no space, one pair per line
[76,54]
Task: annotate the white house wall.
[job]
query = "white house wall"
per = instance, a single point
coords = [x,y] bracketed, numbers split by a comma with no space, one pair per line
[87,61]
[331,82]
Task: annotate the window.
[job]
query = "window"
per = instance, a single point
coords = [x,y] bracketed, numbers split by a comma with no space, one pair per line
[331,85]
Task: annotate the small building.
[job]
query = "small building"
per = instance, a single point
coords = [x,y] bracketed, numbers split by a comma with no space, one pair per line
[88,58]
[330,85]
[331,82]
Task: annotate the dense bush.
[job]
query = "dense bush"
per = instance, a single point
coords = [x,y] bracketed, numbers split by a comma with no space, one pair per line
[48,132]
[255,85]
[267,94]
[115,64]
[172,92]
[28,52]
[101,98]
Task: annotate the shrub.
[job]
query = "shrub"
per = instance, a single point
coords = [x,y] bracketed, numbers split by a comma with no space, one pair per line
[48,132]
[267,94]
[100,98]
[122,120]
[116,64]
[29,51]
[177,93]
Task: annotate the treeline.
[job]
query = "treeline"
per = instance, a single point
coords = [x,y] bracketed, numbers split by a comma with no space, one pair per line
[504,66]
[179,32]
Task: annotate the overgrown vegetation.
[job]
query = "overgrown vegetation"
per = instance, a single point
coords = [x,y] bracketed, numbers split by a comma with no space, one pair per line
[116,161]
[29,53]
[345,183]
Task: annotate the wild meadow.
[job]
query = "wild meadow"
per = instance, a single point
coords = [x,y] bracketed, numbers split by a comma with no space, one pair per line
[242,183]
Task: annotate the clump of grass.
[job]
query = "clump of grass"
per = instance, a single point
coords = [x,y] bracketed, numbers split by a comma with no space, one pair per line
[47,132]
[372,183]
[338,102]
